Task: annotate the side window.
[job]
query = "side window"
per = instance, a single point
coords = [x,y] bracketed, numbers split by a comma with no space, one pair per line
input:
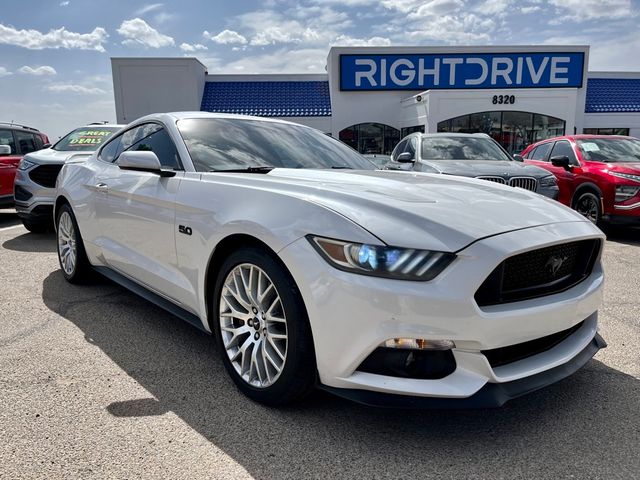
[399,149]
[540,152]
[159,143]
[110,151]
[531,153]
[6,138]
[562,148]
[39,142]
[136,134]
[411,147]
[25,141]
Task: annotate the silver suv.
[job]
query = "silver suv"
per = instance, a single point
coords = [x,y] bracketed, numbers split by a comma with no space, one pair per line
[35,182]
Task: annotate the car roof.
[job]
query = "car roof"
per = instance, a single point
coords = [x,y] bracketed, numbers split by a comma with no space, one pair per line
[17,126]
[453,135]
[101,125]
[174,116]
[581,136]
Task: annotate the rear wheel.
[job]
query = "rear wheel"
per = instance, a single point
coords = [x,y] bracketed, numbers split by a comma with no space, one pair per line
[588,204]
[262,328]
[73,259]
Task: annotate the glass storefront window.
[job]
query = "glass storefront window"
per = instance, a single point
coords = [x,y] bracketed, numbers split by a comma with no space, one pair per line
[371,138]
[408,130]
[606,131]
[513,130]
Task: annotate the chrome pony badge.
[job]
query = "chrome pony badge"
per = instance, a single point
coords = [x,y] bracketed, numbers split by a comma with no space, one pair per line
[554,264]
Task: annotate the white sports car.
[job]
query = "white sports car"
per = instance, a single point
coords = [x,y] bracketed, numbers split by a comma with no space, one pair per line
[310,268]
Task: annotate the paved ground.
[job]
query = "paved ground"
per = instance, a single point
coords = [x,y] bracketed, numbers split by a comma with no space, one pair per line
[96,383]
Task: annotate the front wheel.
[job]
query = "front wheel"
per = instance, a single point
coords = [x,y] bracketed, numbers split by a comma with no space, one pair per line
[73,259]
[262,328]
[588,205]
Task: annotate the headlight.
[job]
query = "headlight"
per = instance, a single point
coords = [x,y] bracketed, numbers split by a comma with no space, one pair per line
[549,181]
[382,261]
[626,175]
[625,192]
[25,164]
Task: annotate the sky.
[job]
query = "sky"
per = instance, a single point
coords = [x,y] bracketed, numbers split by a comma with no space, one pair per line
[55,71]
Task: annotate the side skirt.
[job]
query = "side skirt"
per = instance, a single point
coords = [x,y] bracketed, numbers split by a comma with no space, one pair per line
[151,297]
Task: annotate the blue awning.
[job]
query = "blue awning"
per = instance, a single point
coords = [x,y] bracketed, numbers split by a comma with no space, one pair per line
[268,99]
[613,95]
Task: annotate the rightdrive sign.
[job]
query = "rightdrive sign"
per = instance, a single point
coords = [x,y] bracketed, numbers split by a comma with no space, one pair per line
[461,71]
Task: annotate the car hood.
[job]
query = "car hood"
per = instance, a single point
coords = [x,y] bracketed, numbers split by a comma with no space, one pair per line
[418,210]
[477,168]
[632,168]
[49,156]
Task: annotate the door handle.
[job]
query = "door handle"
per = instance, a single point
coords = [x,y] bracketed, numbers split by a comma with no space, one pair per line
[102,187]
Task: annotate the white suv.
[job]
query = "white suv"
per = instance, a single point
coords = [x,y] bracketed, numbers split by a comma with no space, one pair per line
[34,187]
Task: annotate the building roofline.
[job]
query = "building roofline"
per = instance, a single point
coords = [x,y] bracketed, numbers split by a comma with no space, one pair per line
[148,59]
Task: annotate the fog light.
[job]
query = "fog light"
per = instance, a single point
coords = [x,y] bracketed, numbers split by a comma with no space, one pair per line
[418,344]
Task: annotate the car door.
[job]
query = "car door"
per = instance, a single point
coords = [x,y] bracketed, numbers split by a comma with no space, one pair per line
[567,180]
[9,162]
[136,210]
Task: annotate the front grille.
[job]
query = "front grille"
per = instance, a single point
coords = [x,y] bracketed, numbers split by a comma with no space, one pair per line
[539,272]
[45,175]
[494,179]
[505,355]
[528,183]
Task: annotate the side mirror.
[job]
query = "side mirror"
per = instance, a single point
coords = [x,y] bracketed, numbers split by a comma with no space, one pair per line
[46,145]
[405,157]
[5,150]
[143,161]
[561,161]
[518,158]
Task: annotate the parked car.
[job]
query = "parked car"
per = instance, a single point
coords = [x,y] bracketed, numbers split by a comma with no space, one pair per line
[599,175]
[310,267]
[474,155]
[378,159]
[34,187]
[18,140]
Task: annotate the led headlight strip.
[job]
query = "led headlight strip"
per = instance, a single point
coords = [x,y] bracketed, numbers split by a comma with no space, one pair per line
[382,261]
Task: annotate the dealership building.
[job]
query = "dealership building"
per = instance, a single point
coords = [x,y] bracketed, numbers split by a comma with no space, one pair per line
[370,97]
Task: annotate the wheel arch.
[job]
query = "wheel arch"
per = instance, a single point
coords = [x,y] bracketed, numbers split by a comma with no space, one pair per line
[223,248]
[61,200]
[586,187]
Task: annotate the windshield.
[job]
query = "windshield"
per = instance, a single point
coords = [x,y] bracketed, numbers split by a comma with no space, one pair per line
[461,148]
[610,149]
[217,144]
[84,139]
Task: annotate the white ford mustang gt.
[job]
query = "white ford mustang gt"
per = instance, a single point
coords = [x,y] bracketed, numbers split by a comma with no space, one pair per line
[310,268]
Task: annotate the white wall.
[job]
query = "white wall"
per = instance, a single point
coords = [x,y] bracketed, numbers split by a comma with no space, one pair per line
[150,85]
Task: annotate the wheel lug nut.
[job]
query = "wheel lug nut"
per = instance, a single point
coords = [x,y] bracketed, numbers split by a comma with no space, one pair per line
[256,336]
[254,310]
[250,323]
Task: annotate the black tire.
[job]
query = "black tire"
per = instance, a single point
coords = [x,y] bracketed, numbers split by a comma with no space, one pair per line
[298,374]
[35,226]
[81,271]
[589,205]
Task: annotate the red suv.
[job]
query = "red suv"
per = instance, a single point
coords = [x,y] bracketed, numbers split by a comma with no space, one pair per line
[598,175]
[15,142]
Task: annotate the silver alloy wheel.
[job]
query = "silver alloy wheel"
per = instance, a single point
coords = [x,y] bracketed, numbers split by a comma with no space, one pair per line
[588,207]
[67,248]
[253,325]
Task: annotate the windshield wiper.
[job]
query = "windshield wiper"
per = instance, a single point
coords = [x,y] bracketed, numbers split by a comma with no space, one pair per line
[255,169]
[341,167]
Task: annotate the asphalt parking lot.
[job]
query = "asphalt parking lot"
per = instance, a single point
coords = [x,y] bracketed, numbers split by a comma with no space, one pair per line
[97,383]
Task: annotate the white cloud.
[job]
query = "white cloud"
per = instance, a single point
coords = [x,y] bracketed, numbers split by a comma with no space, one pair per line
[282,60]
[4,72]
[44,70]
[530,9]
[148,8]
[494,7]
[581,10]
[226,37]
[138,32]
[347,41]
[58,38]
[73,88]
[188,47]
[437,7]
[65,3]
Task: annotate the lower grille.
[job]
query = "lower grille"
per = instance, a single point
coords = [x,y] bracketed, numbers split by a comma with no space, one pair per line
[45,175]
[539,272]
[528,183]
[505,355]
[21,194]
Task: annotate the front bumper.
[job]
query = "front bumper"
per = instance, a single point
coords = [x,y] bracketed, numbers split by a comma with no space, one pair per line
[351,315]
[491,395]
[32,201]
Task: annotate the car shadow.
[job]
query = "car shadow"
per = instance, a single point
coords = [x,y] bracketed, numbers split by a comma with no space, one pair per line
[32,242]
[627,235]
[575,427]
